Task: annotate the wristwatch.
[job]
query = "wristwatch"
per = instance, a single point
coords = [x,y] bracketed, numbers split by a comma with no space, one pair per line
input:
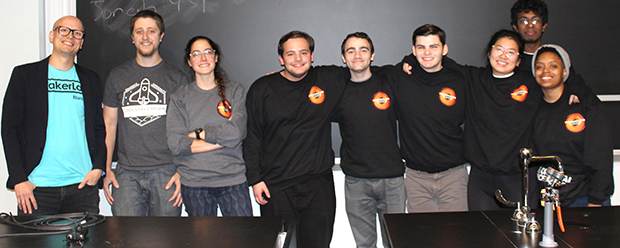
[197,132]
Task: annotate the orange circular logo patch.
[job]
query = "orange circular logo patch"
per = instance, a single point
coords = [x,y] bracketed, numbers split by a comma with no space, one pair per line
[381,100]
[224,108]
[316,95]
[575,123]
[519,94]
[447,96]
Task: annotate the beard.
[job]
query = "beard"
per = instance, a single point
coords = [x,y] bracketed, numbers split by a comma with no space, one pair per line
[147,53]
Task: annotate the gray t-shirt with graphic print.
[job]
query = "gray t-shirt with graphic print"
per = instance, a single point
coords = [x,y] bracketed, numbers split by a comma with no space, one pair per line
[141,95]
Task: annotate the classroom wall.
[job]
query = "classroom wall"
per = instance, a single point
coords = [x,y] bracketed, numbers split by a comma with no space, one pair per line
[20,44]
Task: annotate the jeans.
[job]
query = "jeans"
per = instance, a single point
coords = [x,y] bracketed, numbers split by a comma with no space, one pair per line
[203,201]
[437,192]
[65,199]
[143,192]
[365,199]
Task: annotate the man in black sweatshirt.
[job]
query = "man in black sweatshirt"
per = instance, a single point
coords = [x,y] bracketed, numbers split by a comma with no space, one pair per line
[288,150]
[431,110]
[370,158]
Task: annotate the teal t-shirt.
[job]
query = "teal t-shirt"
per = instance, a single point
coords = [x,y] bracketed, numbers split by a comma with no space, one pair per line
[65,159]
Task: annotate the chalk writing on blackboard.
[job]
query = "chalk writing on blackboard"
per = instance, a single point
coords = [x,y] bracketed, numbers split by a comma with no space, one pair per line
[114,15]
[108,9]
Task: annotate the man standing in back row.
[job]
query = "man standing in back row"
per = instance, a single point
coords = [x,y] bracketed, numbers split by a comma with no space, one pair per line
[135,100]
[529,19]
[53,131]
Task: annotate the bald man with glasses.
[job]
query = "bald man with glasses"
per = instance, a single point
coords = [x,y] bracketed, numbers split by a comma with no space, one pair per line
[53,130]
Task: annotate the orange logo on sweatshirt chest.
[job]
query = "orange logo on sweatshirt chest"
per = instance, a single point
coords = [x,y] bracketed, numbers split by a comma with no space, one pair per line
[575,123]
[520,94]
[316,95]
[447,96]
[381,100]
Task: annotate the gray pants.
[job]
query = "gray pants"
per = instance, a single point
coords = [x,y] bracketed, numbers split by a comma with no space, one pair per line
[437,192]
[365,198]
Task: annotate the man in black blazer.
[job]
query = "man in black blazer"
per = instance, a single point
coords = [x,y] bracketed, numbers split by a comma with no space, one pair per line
[53,130]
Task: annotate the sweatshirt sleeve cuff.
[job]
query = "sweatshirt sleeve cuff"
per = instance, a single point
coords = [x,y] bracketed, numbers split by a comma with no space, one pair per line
[210,134]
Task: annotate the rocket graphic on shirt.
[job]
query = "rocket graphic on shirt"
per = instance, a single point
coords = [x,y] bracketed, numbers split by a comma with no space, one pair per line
[144,102]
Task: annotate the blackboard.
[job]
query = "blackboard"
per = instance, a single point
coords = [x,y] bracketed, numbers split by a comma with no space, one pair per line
[248,31]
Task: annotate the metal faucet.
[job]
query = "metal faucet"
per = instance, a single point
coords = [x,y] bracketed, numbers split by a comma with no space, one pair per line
[523,213]
[552,178]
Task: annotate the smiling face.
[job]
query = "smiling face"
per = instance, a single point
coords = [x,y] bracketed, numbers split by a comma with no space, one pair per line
[146,36]
[357,54]
[504,56]
[68,45]
[296,59]
[549,70]
[429,51]
[530,32]
[202,64]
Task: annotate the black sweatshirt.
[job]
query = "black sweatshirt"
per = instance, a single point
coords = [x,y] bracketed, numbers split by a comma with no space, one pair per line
[289,127]
[580,134]
[499,115]
[430,109]
[499,118]
[368,129]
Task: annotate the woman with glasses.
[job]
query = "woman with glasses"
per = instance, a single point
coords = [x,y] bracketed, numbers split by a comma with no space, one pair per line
[502,102]
[579,133]
[206,125]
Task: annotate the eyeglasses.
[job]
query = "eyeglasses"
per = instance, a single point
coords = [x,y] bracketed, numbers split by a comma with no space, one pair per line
[500,50]
[65,31]
[209,53]
[526,21]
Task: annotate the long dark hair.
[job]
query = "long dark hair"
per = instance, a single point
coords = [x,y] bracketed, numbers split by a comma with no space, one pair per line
[220,75]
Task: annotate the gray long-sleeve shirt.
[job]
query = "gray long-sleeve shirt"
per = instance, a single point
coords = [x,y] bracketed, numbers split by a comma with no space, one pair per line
[190,108]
